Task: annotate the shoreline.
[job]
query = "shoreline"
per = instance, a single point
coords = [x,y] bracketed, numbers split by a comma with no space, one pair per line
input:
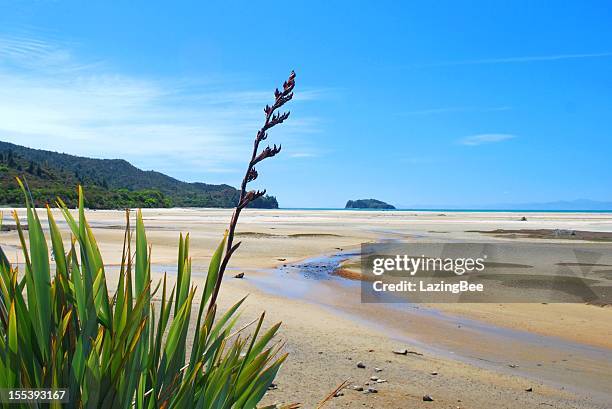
[324,339]
[581,317]
[603,212]
[519,345]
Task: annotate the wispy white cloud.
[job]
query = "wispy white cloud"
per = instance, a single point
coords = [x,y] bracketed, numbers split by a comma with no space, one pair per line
[523,59]
[445,110]
[28,52]
[481,139]
[51,99]
[302,155]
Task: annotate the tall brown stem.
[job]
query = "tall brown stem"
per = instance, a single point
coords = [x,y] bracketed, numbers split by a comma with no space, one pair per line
[246,197]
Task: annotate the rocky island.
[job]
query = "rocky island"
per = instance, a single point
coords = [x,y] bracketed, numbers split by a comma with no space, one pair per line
[368,204]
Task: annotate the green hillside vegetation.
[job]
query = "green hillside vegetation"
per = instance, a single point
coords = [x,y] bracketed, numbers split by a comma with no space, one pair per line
[110,183]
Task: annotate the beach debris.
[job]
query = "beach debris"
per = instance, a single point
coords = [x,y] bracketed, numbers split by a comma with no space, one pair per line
[335,393]
[523,219]
[377,370]
[361,365]
[381,380]
[373,378]
[371,390]
[427,398]
[11,227]
[239,275]
[281,259]
[513,366]
[406,352]
[434,373]
[530,389]
[370,350]
[563,232]
[272,386]
[358,388]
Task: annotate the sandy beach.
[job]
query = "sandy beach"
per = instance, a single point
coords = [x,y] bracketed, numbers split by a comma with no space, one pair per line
[511,355]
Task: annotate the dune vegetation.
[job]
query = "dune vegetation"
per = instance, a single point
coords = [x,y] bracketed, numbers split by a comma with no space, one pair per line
[65,330]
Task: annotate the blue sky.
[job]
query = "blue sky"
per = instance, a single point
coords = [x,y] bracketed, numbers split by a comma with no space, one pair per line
[446,103]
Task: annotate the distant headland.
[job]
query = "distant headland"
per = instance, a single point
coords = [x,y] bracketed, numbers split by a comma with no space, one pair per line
[368,204]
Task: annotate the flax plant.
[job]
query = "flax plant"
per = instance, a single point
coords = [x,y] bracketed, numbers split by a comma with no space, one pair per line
[64,329]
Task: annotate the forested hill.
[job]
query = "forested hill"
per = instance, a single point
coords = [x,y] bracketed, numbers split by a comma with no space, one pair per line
[108,183]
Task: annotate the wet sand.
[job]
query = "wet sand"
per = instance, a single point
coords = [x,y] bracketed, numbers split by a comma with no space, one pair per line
[484,355]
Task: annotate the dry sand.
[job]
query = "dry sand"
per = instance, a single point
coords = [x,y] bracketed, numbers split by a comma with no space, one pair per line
[327,330]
